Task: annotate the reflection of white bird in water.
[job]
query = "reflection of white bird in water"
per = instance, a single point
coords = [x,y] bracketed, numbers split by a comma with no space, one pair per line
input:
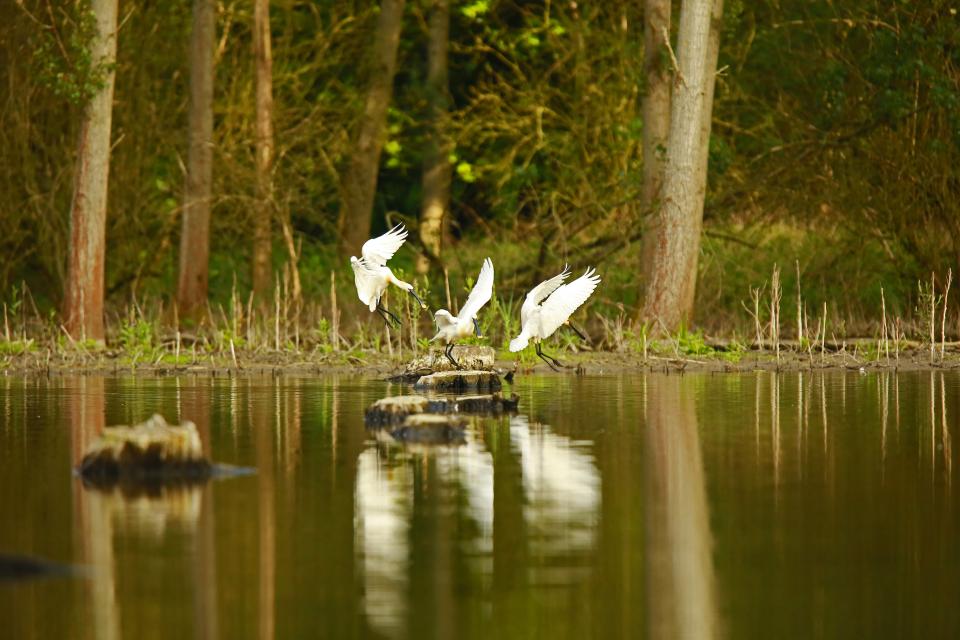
[373,276]
[541,315]
[451,328]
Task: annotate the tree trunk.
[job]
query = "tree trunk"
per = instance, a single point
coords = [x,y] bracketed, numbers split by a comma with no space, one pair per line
[656,122]
[713,53]
[360,182]
[83,300]
[195,233]
[263,213]
[677,236]
[436,163]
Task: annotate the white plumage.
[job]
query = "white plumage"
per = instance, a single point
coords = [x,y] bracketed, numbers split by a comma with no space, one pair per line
[371,273]
[550,305]
[451,328]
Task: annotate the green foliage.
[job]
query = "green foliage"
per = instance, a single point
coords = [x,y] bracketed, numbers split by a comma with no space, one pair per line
[835,142]
[64,57]
[692,343]
[138,338]
[16,347]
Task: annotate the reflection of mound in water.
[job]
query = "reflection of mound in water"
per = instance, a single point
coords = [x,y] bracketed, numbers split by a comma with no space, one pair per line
[395,409]
[151,511]
[422,420]
[149,457]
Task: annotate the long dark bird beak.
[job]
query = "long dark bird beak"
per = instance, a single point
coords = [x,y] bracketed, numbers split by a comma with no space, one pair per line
[476,327]
[578,332]
[414,294]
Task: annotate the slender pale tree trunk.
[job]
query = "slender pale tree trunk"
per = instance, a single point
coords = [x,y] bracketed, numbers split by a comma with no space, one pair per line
[677,236]
[360,182]
[83,300]
[656,122]
[710,83]
[195,231]
[263,213]
[436,163]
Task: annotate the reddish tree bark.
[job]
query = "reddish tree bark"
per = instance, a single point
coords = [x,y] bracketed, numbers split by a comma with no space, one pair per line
[677,235]
[360,182]
[263,213]
[83,299]
[656,121]
[195,233]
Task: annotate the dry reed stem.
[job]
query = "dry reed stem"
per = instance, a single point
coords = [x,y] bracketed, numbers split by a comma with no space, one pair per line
[799,305]
[933,317]
[883,328]
[276,313]
[334,313]
[943,319]
[776,293]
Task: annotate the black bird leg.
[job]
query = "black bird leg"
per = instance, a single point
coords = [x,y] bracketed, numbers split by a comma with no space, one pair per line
[578,332]
[476,327]
[392,315]
[547,358]
[449,353]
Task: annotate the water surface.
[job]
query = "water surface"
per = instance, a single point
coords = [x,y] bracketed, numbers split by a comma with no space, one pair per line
[729,506]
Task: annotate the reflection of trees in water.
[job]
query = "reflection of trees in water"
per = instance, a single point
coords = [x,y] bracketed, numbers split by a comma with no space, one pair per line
[681,592]
[422,517]
[561,487]
[102,516]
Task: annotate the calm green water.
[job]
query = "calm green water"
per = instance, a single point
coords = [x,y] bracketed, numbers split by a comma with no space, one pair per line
[696,506]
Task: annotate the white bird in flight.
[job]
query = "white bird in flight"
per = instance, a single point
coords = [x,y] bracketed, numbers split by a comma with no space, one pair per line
[451,328]
[541,315]
[372,275]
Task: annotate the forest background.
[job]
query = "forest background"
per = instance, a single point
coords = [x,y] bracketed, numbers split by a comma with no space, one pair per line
[833,153]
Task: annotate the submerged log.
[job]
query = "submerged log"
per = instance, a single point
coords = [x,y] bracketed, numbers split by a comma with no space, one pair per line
[427,428]
[152,452]
[458,381]
[395,409]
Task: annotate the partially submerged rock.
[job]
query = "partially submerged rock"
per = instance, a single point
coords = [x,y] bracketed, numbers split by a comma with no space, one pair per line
[470,357]
[493,403]
[151,452]
[395,409]
[459,381]
[427,428]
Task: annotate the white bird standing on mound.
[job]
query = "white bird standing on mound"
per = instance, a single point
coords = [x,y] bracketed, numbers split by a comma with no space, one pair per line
[541,315]
[451,328]
[372,275]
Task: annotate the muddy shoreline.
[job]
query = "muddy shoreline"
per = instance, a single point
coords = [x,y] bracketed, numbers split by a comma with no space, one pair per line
[372,364]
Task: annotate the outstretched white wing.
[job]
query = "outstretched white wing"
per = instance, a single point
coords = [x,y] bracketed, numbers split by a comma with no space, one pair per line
[565,300]
[369,283]
[541,291]
[481,293]
[378,250]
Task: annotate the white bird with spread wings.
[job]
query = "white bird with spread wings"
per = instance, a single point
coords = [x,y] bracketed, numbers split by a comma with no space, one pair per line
[451,328]
[372,275]
[549,306]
